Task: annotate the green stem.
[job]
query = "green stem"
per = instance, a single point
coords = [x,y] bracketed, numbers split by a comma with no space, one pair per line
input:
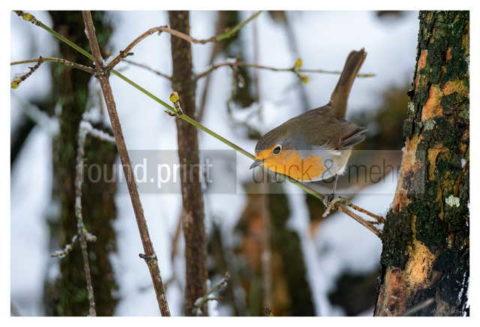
[183,116]
[65,40]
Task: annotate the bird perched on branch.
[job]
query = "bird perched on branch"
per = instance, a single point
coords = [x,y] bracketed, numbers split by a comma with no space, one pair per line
[317,144]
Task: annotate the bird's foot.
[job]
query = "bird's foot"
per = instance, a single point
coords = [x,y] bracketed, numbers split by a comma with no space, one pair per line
[330,201]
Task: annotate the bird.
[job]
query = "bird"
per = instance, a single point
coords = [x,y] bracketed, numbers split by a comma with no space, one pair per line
[317,144]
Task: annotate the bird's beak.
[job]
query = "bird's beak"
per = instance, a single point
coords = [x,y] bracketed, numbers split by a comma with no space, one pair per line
[256,163]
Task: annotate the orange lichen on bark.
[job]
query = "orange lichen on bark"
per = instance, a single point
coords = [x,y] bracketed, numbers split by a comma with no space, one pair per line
[400,284]
[422,60]
[419,265]
[448,55]
[432,107]
[455,86]
[409,165]
[422,63]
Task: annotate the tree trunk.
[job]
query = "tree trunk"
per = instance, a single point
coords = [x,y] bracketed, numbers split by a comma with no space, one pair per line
[193,220]
[425,259]
[67,294]
[290,291]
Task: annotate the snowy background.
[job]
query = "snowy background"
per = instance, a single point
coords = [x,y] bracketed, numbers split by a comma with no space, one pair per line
[324,38]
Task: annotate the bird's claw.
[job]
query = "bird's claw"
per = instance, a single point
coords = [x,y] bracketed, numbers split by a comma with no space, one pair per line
[328,199]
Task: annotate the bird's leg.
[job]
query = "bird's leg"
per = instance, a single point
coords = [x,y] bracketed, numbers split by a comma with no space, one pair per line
[332,195]
[329,198]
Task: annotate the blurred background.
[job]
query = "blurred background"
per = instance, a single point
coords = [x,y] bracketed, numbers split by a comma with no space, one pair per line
[318,266]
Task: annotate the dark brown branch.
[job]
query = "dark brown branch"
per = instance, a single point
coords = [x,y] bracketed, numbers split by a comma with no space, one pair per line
[188,153]
[367,224]
[127,167]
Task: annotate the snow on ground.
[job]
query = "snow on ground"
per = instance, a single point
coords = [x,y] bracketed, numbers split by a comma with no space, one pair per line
[324,39]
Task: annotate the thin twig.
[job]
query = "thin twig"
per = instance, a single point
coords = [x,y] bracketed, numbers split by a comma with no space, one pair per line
[379,219]
[159,29]
[69,247]
[150,69]
[82,136]
[152,261]
[85,129]
[199,303]
[16,82]
[369,225]
[64,62]
[293,69]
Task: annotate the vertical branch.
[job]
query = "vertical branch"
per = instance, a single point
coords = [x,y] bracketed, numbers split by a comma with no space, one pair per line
[82,136]
[183,82]
[149,256]
[266,257]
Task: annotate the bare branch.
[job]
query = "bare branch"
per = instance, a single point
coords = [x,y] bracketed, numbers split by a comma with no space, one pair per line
[16,82]
[292,69]
[82,231]
[64,62]
[69,247]
[152,262]
[200,302]
[146,67]
[369,225]
[159,29]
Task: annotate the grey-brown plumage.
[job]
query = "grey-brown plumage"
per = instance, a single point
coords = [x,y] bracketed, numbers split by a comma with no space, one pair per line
[339,97]
[322,127]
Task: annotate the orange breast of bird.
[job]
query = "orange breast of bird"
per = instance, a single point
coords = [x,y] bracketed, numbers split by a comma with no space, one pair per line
[293,163]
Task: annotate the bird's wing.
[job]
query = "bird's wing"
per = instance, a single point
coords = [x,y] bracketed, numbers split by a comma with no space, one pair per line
[321,128]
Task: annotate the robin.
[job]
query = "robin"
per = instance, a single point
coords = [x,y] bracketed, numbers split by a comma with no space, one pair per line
[317,144]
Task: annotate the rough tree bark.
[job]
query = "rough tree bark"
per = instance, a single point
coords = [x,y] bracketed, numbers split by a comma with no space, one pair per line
[425,259]
[67,294]
[193,220]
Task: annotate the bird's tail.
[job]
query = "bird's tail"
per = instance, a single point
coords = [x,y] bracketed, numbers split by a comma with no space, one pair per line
[339,98]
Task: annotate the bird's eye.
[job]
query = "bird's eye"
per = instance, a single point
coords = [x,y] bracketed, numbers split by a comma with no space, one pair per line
[277,149]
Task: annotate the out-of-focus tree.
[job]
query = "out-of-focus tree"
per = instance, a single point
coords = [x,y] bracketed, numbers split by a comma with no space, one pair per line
[425,259]
[193,218]
[66,295]
[290,290]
